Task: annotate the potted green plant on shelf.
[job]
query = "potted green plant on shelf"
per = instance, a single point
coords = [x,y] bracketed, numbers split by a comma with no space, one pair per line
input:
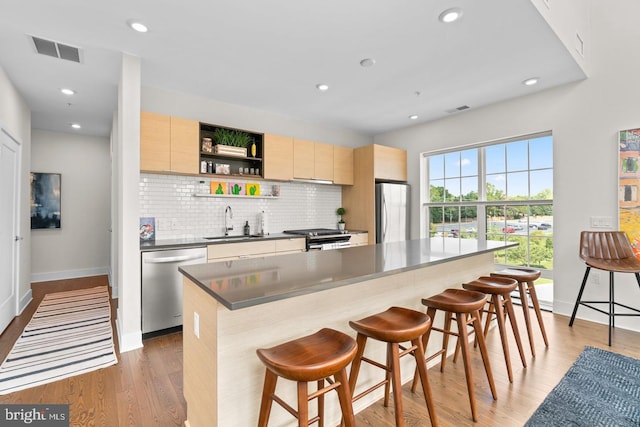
[232,142]
[341,224]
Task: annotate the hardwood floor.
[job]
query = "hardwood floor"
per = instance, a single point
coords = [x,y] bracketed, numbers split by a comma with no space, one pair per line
[145,387]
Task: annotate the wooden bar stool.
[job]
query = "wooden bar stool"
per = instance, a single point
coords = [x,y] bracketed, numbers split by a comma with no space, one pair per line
[460,302]
[394,326]
[525,278]
[499,289]
[315,357]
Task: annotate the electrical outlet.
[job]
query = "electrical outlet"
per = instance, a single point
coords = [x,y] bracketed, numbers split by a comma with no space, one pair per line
[196,324]
[602,222]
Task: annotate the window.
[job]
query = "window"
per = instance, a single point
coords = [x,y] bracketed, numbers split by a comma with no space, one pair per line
[497,191]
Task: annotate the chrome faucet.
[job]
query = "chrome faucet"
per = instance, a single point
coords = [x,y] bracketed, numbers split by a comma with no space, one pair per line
[227,227]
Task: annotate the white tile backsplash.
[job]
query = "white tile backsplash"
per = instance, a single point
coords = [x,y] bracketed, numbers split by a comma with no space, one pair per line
[169,199]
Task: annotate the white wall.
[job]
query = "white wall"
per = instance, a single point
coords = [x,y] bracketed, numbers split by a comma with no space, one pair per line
[127,167]
[219,113]
[585,118]
[15,118]
[81,246]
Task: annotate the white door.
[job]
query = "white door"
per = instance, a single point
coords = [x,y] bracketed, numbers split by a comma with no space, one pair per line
[9,239]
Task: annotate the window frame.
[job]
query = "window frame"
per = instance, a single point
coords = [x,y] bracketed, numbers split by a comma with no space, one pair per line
[482,202]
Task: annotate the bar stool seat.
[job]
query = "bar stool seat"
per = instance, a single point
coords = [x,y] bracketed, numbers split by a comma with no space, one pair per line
[525,278]
[394,326]
[461,303]
[499,289]
[314,357]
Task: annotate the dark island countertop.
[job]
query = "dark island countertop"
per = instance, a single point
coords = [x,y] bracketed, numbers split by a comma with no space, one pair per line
[248,282]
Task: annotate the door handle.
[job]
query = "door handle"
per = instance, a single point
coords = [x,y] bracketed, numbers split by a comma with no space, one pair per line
[18,238]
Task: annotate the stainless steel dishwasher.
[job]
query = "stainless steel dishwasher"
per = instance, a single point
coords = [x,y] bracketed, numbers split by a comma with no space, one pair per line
[162,287]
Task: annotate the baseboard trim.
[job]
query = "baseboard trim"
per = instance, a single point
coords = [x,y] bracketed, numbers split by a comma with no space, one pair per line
[130,341]
[69,274]
[24,301]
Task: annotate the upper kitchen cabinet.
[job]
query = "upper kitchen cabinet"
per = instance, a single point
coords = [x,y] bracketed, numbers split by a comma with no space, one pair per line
[312,160]
[389,164]
[168,144]
[278,157]
[371,163]
[342,165]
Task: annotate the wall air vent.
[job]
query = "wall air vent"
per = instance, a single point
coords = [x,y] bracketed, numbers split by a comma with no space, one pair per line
[460,108]
[56,50]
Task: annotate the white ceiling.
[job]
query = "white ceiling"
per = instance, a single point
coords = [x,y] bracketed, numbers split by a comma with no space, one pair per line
[269,55]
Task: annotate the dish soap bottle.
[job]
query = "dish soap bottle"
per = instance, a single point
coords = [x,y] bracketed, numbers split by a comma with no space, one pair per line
[247,229]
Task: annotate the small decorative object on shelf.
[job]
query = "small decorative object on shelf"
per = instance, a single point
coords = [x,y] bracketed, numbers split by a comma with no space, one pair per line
[341,225]
[253,149]
[207,146]
[219,187]
[253,189]
[236,188]
[223,169]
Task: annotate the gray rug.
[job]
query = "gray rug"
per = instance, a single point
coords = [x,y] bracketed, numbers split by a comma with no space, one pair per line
[600,389]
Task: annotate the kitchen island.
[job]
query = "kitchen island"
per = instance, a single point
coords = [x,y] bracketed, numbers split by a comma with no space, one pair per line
[232,308]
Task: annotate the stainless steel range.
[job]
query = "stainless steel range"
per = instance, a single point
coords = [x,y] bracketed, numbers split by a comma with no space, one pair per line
[323,238]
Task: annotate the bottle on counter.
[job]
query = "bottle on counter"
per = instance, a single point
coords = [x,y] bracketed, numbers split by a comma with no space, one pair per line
[247,229]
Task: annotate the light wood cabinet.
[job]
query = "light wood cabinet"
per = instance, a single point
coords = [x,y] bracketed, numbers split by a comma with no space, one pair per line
[390,163]
[254,248]
[312,160]
[278,157]
[289,246]
[155,142]
[342,165]
[303,159]
[371,163]
[323,161]
[168,144]
[359,239]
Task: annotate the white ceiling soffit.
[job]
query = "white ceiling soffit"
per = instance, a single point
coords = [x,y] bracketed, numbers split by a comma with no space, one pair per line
[271,55]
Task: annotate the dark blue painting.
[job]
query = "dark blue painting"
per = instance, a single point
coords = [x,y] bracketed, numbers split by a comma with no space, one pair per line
[45,200]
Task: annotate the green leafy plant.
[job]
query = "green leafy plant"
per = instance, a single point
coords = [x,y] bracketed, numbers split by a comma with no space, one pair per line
[232,137]
[340,211]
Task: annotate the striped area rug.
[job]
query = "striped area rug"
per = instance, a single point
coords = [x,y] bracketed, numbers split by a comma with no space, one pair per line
[69,334]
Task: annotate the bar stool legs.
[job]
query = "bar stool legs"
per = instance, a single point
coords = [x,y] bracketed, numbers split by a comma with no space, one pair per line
[459,303]
[525,278]
[499,289]
[394,326]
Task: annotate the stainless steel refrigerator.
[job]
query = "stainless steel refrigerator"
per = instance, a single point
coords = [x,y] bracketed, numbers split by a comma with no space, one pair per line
[392,212]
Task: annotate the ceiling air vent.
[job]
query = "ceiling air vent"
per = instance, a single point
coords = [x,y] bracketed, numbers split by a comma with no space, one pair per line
[57,50]
[460,108]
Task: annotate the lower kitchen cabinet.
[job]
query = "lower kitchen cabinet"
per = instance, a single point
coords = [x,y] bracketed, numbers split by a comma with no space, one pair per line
[253,249]
[359,239]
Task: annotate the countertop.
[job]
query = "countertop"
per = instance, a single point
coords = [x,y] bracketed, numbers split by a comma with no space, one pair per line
[163,244]
[248,282]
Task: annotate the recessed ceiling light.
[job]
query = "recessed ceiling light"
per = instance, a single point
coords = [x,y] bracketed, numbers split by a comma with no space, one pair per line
[413,117]
[75,125]
[450,15]
[368,62]
[322,87]
[68,91]
[137,26]
[530,82]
